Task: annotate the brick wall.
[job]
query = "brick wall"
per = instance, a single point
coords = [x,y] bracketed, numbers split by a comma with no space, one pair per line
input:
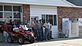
[68,12]
[26,13]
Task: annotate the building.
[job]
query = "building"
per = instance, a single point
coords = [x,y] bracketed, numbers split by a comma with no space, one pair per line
[53,10]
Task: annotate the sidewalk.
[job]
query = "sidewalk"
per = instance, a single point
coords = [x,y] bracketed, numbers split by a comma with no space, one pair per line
[58,39]
[70,42]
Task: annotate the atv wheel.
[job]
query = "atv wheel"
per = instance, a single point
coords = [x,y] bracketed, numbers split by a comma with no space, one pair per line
[31,39]
[20,40]
[9,39]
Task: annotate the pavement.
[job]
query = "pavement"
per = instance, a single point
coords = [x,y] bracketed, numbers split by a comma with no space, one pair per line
[56,42]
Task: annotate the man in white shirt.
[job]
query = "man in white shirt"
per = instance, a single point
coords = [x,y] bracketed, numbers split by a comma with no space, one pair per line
[47,26]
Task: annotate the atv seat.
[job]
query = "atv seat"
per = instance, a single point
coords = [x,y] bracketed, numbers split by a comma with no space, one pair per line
[16,30]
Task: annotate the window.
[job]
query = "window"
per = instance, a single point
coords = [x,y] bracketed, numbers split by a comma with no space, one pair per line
[51,18]
[43,18]
[55,20]
[1,8]
[10,12]
[1,14]
[7,8]
[7,14]
[17,15]
[17,8]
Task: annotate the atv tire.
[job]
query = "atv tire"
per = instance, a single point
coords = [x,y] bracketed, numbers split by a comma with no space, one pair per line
[31,39]
[20,40]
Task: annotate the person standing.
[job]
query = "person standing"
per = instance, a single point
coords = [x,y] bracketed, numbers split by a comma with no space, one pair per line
[47,26]
[40,31]
[46,30]
[32,25]
[36,30]
[50,31]
[5,31]
[1,33]
[11,26]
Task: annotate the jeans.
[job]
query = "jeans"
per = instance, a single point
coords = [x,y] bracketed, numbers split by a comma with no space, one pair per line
[50,34]
[40,35]
[5,35]
[1,36]
[46,34]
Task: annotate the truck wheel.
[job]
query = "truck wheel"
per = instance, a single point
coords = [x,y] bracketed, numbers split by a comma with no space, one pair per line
[21,40]
[9,39]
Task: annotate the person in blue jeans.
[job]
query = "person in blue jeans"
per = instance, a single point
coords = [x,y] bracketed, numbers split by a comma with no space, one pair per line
[40,31]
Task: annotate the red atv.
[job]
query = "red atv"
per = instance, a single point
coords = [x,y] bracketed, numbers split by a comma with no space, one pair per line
[21,35]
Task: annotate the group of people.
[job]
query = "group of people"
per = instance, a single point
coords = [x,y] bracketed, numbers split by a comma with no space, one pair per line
[42,31]
[7,27]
